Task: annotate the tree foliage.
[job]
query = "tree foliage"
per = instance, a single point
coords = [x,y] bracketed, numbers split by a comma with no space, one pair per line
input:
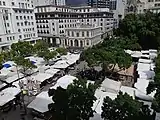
[49,55]
[146,27]
[74,103]
[62,51]
[124,107]
[23,49]
[108,54]
[25,64]
[41,46]
[155,86]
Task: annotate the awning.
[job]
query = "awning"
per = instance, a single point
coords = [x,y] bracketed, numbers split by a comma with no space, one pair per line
[6,65]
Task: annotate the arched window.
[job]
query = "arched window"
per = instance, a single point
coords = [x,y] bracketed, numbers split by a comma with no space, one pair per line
[71,43]
[76,43]
[65,42]
[81,43]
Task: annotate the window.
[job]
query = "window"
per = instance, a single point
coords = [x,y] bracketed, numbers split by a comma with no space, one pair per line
[0,39]
[21,23]
[72,34]
[0,3]
[77,34]
[6,17]
[17,23]
[82,34]
[21,17]
[12,3]
[4,3]
[17,17]
[32,23]
[87,42]
[8,24]
[31,17]
[68,33]
[19,30]
[87,34]
[20,36]
[13,38]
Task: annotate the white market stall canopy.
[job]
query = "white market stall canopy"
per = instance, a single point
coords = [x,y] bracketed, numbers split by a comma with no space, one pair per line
[129,90]
[147,61]
[111,85]
[41,77]
[143,67]
[41,102]
[64,81]
[146,74]
[13,78]
[52,71]
[8,95]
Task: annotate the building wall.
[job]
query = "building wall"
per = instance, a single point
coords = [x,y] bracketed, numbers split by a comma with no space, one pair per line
[49,2]
[118,7]
[17,22]
[82,37]
[53,20]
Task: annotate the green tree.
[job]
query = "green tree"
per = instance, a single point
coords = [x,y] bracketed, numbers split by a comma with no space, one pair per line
[23,49]
[145,27]
[62,51]
[41,47]
[155,86]
[49,55]
[74,103]
[108,54]
[25,64]
[124,107]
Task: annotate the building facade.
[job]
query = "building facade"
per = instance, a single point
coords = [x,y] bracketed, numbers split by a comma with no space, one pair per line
[49,2]
[17,22]
[141,6]
[54,21]
[82,36]
[98,3]
[118,8]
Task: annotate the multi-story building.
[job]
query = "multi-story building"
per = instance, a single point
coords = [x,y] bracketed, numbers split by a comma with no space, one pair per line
[54,21]
[141,6]
[81,36]
[118,8]
[49,2]
[98,3]
[17,22]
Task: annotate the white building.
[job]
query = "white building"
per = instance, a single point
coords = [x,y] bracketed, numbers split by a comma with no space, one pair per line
[49,2]
[118,8]
[82,36]
[141,6]
[54,21]
[17,21]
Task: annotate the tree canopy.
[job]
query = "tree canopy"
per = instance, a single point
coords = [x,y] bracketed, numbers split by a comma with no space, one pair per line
[25,64]
[155,86]
[108,54]
[74,103]
[23,49]
[62,51]
[146,27]
[124,107]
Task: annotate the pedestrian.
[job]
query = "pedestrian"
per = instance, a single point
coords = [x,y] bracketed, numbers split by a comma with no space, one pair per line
[14,105]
